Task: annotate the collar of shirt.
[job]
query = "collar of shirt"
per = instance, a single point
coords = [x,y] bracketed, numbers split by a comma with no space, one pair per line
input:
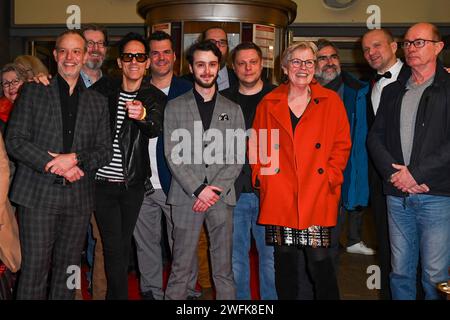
[380,84]
[222,80]
[63,85]
[394,70]
[201,101]
[88,81]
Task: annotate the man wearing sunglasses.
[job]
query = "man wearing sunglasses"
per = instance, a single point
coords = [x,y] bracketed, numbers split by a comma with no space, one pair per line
[410,146]
[135,116]
[155,213]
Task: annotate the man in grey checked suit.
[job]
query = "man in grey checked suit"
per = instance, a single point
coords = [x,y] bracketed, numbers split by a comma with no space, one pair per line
[59,135]
[204,163]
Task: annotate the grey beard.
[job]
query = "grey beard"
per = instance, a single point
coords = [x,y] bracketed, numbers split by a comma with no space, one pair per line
[324,78]
[94,65]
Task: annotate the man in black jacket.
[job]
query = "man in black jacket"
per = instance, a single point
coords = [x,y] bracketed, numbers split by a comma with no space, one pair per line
[379,50]
[135,113]
[410,145]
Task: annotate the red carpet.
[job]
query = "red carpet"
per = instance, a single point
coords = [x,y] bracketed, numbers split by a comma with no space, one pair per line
[133,281]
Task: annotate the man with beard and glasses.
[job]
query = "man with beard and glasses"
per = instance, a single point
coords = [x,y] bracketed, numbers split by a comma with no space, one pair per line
[355,189]
[91,72]
[203,173]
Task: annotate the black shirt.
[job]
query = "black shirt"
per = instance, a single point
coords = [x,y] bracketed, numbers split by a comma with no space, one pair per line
[69,108]
[205,109]
[294,120]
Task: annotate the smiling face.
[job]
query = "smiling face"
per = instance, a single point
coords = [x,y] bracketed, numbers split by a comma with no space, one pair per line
[162,57]
[133,70]
[328,65]
[96,51]
[11,85]
[248,67]
[378,51]
[205,68]
[300,75]
[70,55]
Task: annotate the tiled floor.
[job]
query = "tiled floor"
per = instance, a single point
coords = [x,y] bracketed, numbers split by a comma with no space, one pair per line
[353,271]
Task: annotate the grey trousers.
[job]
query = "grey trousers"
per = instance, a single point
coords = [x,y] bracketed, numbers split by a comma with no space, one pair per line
[148,235]
[186,232]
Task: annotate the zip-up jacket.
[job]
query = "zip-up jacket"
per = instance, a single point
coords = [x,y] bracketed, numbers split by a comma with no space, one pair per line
[430,156]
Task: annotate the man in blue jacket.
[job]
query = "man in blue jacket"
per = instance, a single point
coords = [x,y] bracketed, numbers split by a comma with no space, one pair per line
[355,190]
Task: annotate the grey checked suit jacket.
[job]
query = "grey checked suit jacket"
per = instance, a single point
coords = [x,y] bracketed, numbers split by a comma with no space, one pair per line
[35,127]
[182,113]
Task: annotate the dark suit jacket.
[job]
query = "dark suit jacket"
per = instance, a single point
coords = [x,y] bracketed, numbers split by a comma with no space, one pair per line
[35,127]
[178,87]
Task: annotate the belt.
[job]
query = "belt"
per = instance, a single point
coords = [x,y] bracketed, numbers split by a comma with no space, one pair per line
[103,180]
[62,181]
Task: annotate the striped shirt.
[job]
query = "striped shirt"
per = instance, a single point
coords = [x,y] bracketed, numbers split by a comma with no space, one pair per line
[114,170]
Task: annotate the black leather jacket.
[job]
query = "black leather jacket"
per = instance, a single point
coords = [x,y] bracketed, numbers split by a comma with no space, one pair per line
[134,134]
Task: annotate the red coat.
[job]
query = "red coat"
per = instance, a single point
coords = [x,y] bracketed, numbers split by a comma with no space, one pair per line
[303,187]
[5,109]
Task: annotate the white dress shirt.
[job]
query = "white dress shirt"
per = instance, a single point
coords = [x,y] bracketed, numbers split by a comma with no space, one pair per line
[380,84]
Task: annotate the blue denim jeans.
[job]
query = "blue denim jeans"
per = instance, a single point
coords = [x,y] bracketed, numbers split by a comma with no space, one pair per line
[418,224]
[245,217]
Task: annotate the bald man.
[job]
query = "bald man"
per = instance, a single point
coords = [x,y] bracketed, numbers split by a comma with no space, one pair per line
[410,146]
[379,50]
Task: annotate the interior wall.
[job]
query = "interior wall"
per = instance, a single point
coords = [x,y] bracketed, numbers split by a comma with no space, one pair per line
[309,11]
[392,12]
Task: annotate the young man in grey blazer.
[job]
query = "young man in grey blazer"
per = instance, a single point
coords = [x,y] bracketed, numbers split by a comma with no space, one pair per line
[204,142]
[59,135]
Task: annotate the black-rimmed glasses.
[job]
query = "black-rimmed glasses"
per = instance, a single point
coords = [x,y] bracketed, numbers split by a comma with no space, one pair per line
[12,83]
[418,43]
[100,44]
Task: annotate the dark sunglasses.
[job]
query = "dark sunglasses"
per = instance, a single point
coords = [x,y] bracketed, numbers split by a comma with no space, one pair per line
[128,57]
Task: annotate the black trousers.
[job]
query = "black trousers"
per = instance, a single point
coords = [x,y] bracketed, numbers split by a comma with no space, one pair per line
[378,204]
[116,211]
[305,274]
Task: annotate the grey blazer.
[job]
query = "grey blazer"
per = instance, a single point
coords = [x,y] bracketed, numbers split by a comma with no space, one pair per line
[185,143]
[35,127]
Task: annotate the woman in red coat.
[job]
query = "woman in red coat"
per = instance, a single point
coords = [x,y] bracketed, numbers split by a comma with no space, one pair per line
[298,153]
[12,77]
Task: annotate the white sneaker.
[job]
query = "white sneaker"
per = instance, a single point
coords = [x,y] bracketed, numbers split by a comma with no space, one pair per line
[360,248]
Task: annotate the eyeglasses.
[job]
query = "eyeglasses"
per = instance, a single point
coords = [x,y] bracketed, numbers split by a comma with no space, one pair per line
[12,83]
[219,43]
[297,63]
[418,43]
[326,58]
[100,44]
[128,57]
